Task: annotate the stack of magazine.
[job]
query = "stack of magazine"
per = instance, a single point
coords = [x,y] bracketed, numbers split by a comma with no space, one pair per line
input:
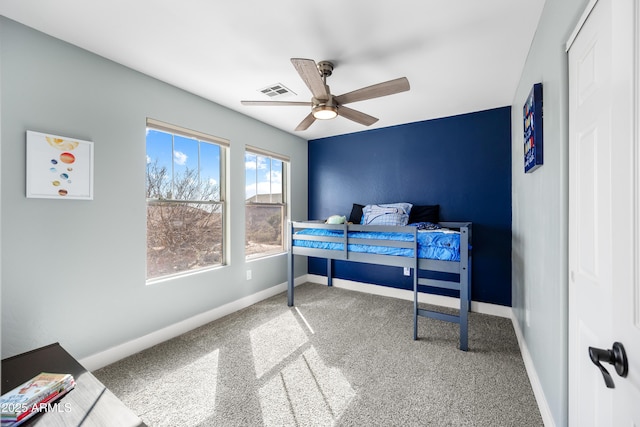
[34,396]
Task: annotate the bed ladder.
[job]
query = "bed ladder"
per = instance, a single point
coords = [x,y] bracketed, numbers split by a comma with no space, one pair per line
[463,285]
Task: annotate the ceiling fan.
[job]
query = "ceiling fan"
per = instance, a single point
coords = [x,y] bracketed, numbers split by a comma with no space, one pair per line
[323,104]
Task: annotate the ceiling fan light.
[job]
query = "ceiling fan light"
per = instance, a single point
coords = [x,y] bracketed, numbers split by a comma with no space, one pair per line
[325,112]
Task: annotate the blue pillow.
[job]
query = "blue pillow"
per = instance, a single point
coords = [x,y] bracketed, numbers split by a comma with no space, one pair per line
[396,214]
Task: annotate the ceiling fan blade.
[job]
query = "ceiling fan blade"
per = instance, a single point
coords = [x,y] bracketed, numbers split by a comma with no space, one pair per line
[356,116]
[309,73]
[374,91]
[280,103]
[306,122]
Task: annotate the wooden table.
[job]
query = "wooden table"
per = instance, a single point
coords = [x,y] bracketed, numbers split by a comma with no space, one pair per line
[90,403]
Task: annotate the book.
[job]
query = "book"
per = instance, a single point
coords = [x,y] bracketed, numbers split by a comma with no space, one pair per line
[29,398]
[45,406]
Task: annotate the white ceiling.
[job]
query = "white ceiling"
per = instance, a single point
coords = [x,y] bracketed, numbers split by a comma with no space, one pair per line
[459,56]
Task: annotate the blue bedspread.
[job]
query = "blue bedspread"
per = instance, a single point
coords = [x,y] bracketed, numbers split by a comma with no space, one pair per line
[432,244]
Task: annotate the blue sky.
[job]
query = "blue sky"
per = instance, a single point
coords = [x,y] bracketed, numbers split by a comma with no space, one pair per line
[262,174]
[178,153]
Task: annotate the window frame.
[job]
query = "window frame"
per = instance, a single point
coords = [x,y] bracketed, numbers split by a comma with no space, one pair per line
[224,146]
[284,203]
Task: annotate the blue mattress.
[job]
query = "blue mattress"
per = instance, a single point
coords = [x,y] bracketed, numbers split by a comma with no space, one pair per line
[432,244]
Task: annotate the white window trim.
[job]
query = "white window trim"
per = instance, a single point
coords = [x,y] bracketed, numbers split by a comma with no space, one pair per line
[285,196]
[224,156]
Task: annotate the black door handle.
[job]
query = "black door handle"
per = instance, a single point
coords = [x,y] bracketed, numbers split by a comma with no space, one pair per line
[616,357]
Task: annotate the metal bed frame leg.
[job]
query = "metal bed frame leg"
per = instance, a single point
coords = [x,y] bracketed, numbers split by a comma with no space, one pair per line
[415,304]
[464,310]
[415,284]
[465,302]
[329,272]
[291,272]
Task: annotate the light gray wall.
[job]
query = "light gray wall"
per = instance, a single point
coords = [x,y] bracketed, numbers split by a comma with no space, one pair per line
[540,209]
[74,271]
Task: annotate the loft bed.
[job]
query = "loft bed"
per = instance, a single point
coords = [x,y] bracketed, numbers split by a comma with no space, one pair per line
[447,250]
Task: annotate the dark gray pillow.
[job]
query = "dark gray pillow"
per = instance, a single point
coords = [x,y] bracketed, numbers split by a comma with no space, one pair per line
[426,213]
[356,214]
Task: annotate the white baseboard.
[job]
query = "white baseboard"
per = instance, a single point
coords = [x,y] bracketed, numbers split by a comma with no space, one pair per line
[440,300]
[538,392]
[136,345]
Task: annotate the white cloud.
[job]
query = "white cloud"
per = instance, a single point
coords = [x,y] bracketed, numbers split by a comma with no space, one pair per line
[180,158]
[262,163]
[251,163]
[276,177]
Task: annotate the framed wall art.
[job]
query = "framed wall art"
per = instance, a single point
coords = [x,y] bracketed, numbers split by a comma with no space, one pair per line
[533,144]
[59,167]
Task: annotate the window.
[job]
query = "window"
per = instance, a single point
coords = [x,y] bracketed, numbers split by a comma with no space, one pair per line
[265,198]
[185,200]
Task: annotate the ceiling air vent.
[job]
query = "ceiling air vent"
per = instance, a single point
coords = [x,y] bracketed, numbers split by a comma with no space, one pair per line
[277,91]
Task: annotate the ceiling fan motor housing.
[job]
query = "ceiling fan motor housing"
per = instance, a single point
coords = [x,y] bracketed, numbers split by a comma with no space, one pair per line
[325,68]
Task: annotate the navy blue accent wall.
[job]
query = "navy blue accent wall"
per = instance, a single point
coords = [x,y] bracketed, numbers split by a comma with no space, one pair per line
[462,163]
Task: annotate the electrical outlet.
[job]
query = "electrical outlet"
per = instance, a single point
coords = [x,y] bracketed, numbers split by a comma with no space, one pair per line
[407,271]
[248,274]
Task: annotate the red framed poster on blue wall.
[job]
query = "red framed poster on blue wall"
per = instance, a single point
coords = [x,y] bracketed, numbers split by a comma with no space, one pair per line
[532,114]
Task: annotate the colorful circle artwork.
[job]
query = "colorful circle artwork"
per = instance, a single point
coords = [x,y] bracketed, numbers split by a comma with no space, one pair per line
[58,167]
[61,144]
[67,158]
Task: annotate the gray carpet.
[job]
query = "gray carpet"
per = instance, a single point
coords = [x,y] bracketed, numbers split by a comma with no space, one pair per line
[339,358]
